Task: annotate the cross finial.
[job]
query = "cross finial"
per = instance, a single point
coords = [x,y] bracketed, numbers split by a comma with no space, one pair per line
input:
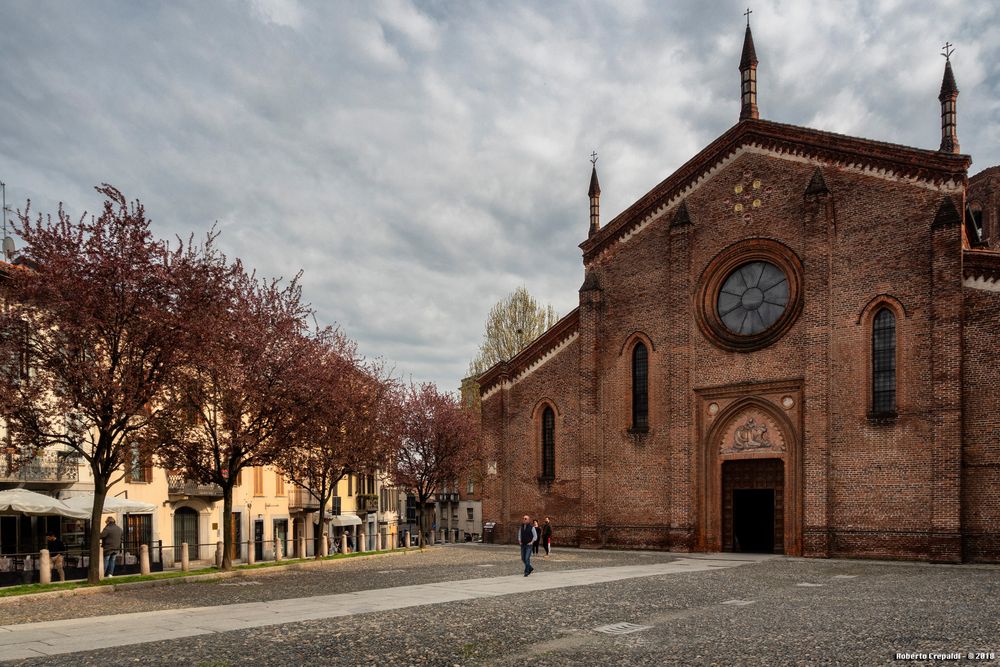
[948,49]
[593,158]
[747,14]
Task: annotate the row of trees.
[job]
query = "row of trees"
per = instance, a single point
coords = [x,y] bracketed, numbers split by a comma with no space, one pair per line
[123,345]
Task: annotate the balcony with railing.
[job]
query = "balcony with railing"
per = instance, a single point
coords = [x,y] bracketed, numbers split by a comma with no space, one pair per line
[367,503]
[447,497]
[302,500]
[179,485]
[50,468]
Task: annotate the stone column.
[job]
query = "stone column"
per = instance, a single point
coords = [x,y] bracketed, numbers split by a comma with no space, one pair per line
[44,567]
[185,561]
[219,550]
[277,549]
[143,559]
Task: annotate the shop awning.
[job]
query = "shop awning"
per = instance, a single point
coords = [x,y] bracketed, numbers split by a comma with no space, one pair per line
[112,504]
[345,520]
[37,504]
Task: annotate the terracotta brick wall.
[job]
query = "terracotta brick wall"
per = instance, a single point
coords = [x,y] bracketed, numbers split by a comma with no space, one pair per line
[866,487]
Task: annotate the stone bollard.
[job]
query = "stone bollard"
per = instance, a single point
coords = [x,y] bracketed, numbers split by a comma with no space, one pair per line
[430,538]
[324,545]
[343,543]
[219,550]
[44,567]
[300,546]
[185,560]
[378,541]
[143,559]
[444,536]
[100,562]
[277,549]
[362,542]
[407,540]
[251,553]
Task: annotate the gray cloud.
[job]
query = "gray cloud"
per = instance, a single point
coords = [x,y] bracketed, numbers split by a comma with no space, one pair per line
[418,161]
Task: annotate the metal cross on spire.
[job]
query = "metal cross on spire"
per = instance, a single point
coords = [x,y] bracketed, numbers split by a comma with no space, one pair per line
[593,158]
[747,14]
[948,49]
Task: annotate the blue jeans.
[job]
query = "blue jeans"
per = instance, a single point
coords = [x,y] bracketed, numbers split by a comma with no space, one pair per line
[526,557]
[109,563]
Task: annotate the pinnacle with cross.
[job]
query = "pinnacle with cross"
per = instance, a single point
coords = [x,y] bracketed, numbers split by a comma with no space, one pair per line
[948,49]
[593,158]
[747,14]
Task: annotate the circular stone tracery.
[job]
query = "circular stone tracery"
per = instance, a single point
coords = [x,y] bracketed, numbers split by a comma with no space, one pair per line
[752,298]
[749,295]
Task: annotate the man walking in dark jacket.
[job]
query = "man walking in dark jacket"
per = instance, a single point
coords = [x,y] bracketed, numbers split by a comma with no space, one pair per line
[526,537]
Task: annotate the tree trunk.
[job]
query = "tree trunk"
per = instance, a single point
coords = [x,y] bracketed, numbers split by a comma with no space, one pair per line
[227,526]
[100,493]
[322,550]
[420,523]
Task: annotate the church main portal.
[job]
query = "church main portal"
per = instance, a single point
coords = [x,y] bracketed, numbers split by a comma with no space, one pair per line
[753,516]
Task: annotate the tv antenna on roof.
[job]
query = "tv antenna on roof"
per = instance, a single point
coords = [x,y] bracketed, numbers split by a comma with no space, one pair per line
[8,242]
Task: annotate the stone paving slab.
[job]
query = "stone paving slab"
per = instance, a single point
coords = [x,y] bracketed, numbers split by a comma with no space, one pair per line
[83,634]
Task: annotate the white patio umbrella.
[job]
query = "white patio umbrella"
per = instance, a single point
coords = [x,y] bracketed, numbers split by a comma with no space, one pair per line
[112,504]
[37,504]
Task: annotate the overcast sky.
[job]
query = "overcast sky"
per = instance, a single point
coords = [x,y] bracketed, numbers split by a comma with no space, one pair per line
[419,160]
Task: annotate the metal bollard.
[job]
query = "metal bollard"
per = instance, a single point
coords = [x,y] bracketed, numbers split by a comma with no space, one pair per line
[277,549]
[219,550]
[343,543]
[251,553]
[143,559]
[185,561]
[44,567]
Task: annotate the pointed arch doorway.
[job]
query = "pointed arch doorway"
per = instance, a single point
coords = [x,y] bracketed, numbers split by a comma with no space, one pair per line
[749,492]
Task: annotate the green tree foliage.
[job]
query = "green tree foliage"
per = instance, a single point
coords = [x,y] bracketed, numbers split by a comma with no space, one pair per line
[512,324]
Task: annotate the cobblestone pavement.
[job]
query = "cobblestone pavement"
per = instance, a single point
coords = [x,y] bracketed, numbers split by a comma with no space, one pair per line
[788,611]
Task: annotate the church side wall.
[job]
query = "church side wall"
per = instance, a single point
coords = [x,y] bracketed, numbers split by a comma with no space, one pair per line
[981,427]
[512,433]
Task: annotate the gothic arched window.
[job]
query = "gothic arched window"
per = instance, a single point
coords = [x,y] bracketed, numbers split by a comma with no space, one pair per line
[548,443]
[640,388]
[884,363]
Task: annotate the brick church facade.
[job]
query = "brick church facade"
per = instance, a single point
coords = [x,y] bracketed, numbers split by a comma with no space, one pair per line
[789,345]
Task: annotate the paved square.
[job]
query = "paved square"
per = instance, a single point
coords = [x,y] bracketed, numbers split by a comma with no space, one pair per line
[442,607]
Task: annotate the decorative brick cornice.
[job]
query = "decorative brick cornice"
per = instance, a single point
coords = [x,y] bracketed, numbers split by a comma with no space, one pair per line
[944,172]
[981,269]
[539,351]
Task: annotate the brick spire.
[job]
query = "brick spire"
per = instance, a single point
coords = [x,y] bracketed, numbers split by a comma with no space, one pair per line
[595,197]
[949,99]
[748,76]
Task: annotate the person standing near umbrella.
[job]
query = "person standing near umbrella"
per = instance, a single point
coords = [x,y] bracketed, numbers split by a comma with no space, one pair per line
[111,542]
[57,551]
